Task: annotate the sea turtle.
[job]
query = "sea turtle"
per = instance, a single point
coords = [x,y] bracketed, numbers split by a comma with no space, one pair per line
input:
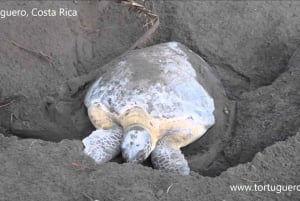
[148,103]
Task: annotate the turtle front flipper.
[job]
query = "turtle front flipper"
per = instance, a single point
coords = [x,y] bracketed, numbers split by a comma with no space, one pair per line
[168,157]
[104,143]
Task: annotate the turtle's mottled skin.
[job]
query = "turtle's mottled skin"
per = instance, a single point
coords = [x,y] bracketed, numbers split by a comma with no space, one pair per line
[148,103]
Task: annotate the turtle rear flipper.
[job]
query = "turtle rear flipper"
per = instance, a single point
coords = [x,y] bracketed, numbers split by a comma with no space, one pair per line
[169,158]
[103,145]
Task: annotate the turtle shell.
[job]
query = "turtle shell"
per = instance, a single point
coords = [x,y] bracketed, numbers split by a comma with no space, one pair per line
[160,79]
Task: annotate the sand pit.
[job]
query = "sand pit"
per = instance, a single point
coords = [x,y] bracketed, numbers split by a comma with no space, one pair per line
[47,63]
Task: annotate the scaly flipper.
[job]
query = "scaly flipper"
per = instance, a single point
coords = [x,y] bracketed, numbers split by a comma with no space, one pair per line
[168,157]
[104,143]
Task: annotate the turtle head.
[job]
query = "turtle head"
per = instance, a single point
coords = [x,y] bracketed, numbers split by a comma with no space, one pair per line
[137,144]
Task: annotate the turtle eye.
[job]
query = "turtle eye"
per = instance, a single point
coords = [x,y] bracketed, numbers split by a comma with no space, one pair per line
[140,156]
